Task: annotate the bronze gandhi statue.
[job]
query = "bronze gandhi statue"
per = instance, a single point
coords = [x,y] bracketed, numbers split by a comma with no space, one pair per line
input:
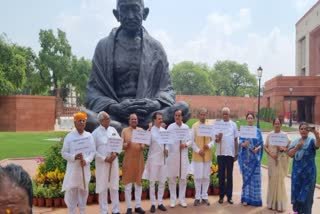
[130,73]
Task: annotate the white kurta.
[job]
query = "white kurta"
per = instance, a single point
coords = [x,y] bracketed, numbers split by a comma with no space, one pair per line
[155,168]
[226,146]
[173,159]
[101,136]
[73,176]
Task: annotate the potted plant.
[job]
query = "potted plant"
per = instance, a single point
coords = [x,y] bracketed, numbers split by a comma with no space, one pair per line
[190,187]
[56,196]
[215,183]
[92,189]
[35,194]
[41,193]
[145,189]
[121,191]
[166,190]
[48,196]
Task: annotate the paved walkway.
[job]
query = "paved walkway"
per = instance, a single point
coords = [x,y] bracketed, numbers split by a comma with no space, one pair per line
[30,165]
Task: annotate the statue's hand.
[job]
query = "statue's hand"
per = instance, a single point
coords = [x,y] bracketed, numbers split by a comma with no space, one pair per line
[145,106]
[122,109]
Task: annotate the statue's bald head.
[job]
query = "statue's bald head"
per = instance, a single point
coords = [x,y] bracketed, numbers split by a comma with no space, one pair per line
[141,2]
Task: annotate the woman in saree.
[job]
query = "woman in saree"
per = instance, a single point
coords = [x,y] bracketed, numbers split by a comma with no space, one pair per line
[303,180]
[249,158]
[278,163]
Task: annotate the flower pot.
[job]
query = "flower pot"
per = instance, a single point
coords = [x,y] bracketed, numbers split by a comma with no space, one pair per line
[189,192]
[57,202]
[215,190]
[35,201]
[121,196]
[144,195]
[96,198]
[49,202]
[166,193]
[41,202]
[209,191]
[90,199]
[63,203]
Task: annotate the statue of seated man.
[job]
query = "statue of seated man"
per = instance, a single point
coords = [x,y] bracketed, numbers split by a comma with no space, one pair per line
[130,72]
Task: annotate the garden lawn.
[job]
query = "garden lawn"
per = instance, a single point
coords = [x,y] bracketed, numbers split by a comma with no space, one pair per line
[26,144]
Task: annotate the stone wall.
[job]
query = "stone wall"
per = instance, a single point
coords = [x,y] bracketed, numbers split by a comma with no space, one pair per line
[27,113]
[239,106]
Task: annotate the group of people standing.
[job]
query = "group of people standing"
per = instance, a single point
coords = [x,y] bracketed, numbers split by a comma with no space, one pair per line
[171,162]
[303,180]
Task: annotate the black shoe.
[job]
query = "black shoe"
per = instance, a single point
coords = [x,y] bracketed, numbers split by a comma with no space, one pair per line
[205,201]
[196,202]
[129,211]
[220,200]
[162,208]
[139,210]
[153,209]
[230,201]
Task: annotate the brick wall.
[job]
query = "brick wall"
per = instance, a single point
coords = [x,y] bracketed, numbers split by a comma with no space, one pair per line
[239,106]
[27,113]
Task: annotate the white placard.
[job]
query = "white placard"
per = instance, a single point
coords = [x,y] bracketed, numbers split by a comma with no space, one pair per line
[165,137]
[222,127]
[181,134]
[205,130]
[141,136]
[81,145]
[248,131]
[114,145]
[278,139]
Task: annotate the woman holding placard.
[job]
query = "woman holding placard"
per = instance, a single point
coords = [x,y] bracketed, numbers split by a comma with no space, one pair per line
[249,158]
[304,171]
[278,162]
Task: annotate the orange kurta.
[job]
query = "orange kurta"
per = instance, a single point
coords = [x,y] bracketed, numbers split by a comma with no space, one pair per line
[133,162]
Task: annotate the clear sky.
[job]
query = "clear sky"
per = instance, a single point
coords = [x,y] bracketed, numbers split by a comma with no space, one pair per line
[256,32]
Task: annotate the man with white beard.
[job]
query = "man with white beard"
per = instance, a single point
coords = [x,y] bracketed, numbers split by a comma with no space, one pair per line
[106,177]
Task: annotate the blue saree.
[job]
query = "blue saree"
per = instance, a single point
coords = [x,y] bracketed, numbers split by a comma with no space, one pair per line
[249,164]
[303,176]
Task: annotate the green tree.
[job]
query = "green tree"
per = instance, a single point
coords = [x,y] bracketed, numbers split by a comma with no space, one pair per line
[79,77]
[192,79]
[12,68]
[233,79]
[54,58]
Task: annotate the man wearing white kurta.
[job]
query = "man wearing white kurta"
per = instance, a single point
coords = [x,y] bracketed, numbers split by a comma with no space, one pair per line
[78,164]
[201,160]
[178,151]
[106,177]
[155,169]
[227,151]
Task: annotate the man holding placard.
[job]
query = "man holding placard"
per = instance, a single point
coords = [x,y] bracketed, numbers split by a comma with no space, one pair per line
[78,149]
[201,158]
[155,169]
[133,164]
[178,162]
[107,166]
[227,151]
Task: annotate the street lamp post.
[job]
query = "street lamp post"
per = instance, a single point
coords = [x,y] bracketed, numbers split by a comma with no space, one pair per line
[259,75]
[290,120]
